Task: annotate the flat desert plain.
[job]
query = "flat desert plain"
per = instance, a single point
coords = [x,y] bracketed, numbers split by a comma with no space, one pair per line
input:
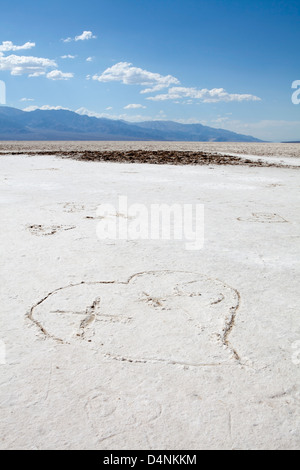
[143,344]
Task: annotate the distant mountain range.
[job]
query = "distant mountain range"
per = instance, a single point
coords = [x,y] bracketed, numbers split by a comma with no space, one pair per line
[16,124]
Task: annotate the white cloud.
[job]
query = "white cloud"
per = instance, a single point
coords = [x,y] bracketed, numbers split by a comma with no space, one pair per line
[86,112]
[58,75]
[125,73]
[19,65]
[206,96]
[46,107]
[37,74]
[134,106]
[68,56]
[109,108]
[26,99]
[89,59]
[161,115]
[158,87]
[7,46]
[85,36]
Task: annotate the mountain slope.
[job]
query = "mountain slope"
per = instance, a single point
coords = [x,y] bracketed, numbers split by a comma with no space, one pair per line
[197,132]
[68,125]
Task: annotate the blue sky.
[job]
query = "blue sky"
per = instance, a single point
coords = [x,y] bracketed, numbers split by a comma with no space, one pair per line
[228,64]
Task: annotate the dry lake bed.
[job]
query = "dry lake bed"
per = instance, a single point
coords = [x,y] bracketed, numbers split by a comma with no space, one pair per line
[144,344]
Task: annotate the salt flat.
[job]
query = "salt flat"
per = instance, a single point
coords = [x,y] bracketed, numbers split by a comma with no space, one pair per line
[140,344]
[245,148]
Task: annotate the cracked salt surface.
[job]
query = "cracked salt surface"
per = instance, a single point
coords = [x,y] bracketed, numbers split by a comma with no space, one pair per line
[277,159]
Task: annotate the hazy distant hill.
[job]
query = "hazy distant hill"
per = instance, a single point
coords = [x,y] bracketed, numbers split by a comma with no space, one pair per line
[67,125]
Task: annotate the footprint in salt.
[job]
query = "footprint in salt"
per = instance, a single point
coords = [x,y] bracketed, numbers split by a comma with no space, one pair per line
[40,230]
[263,217]
[113,412]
